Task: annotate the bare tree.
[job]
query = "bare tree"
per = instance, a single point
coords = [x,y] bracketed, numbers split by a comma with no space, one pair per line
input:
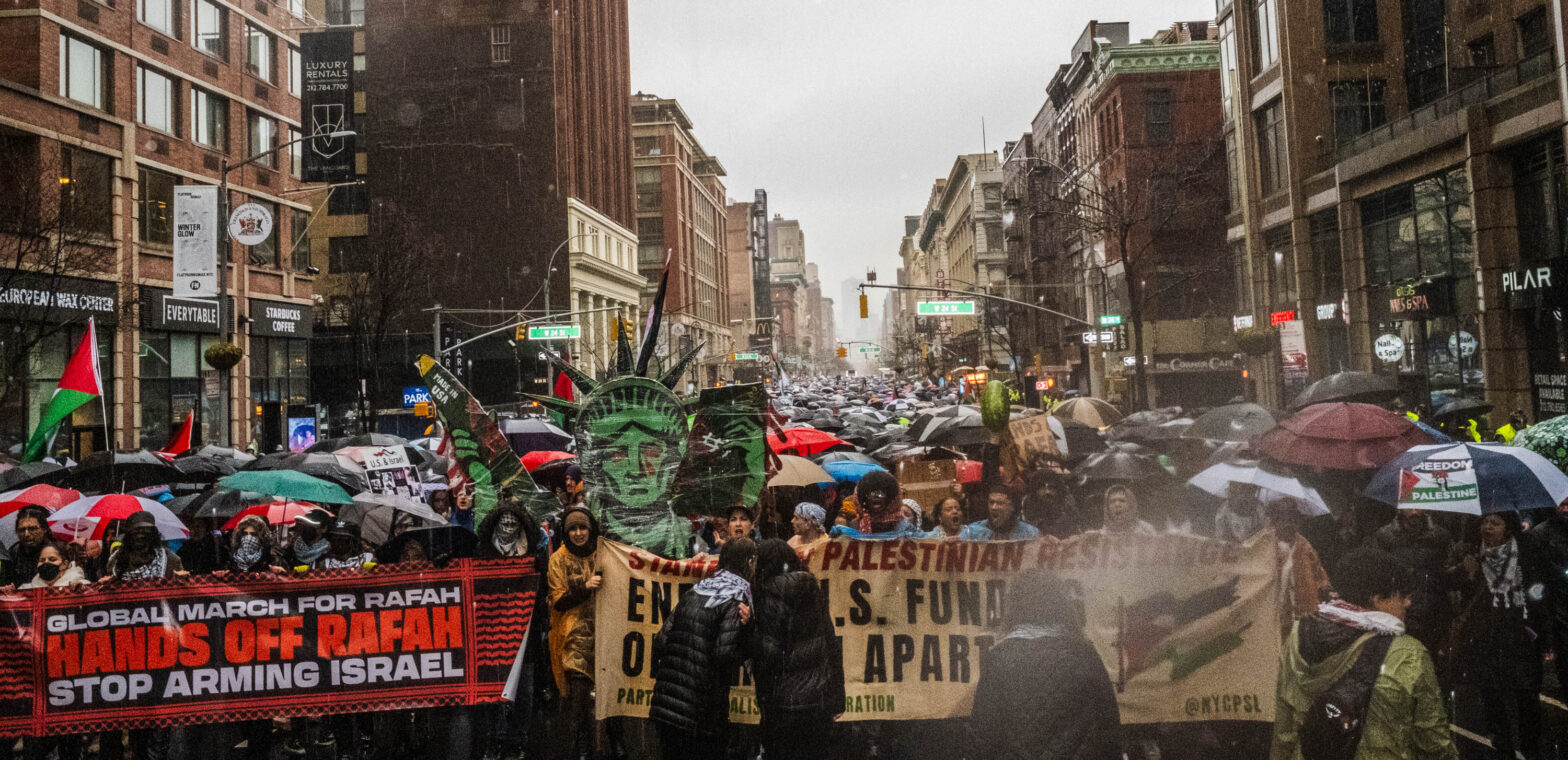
[1155,225]
[56,223]
[377,286]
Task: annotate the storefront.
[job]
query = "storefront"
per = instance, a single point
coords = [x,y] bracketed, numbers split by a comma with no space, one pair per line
[279,368]
[1540,291]
[174,378]
[1194,381]
[42,319]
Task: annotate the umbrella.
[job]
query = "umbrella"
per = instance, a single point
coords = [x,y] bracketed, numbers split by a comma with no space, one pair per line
[441,543]
[533,459]
[798,471]
[376,512]
[1341,436]
[803,441]
[1232,422]
[1438,436]
[211,451]
[217,502]
[363,439]
[1347,386]
[333,468]
[1469,478]
[843,456]
[1093,412]
[958,433]
[1118,466]
[1462,408]
[90,516]
[288,484]
[275,513]
[1168,430]
[1217,478]
[851,472]
[1548,438]
[527,434]
[116,471]
[204,469]
[928,418]
[28,473]
[898,452]
[41,495]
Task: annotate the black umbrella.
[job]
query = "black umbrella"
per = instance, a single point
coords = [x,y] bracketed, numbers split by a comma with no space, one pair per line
[118,472]
[956,434]
[441,544]
[30,473]
[363,439]
[1121,466]
[1232,422]
[1364,387]
[527,434]
[203,469]
[1150,434]
[218,502]
[332,468]
[1462,407]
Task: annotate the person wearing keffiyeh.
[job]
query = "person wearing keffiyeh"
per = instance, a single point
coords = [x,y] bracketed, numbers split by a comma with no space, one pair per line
[1496,644]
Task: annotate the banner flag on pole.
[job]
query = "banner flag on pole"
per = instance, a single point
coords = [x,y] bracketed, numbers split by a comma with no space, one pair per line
[79,384]
[180,442]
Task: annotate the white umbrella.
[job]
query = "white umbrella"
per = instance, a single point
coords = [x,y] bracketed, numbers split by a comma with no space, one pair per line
[1216,481]
[374,512]
[87,517]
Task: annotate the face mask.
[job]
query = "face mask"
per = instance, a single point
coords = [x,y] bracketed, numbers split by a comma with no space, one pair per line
[506,529]
[248,553]
[48,571]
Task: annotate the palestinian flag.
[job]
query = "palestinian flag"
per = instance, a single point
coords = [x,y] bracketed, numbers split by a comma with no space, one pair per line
[80,384]
[181,441]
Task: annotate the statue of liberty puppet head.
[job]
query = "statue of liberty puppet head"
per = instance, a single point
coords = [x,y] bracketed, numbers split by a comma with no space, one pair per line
[631,436]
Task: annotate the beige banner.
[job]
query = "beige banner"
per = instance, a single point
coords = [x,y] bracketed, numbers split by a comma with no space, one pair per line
[1184,624]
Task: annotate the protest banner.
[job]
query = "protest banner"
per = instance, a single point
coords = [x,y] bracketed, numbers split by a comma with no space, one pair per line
[1185,625]
[150,653]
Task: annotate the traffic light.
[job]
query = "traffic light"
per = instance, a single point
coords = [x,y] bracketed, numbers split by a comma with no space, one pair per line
[865,306]
[842,352]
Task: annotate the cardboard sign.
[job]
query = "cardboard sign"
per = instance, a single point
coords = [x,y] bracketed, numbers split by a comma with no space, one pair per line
[1033,438]
[928,482]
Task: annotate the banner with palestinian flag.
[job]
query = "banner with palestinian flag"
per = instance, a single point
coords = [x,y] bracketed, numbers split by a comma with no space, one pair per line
[80,384]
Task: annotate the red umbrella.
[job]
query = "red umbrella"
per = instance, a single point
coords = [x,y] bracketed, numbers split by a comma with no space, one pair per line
[275,513]
[803,441]
[40,495]
[533,460]
[1342,436]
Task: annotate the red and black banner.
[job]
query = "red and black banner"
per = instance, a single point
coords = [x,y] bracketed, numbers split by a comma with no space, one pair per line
[143,654]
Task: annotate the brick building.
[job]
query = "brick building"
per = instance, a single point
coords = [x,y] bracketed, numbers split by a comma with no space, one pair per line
[1398,193]
[104,109]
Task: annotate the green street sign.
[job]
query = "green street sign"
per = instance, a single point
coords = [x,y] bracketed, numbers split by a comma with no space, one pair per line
[554,332]
[1110,319]
[870,350]
[940,308]
[745,357]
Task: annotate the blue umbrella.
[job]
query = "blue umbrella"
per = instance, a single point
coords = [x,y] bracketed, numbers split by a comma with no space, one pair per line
[851,472]
[1469,478]
[1437,435]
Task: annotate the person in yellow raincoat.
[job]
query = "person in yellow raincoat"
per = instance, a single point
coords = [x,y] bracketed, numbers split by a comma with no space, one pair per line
[574,579]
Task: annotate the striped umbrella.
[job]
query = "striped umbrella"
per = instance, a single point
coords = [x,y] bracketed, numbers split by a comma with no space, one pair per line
[1469,478]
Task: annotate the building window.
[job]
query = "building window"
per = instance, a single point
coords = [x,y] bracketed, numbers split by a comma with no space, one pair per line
[348,200]
[296,72]
[155,95]
[993,237]
[1324,227]
[346,254]
[1243,277]
[1232,174]
[209,120]
[82,75]
[154,207]
[1265,34]
[265,253]
[1270,124]
[1228,82]
[1156,116]
[87,192]
[993,197]
[1346,21]
[209,29]
[262,135]
[1483,52]
[1426,43]
[1421,229]
[1280,254]
[258,55]
[1535,44]
[346,12]
[296,154]
[1358,108]
[299,244]
[650,191]
[500,43]
[645,146]
[1541,201]
[158,14]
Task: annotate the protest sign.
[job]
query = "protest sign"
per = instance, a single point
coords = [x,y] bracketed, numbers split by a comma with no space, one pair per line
[1033,438]
[1185,625]
[389,471]
[927,482]
[151,653]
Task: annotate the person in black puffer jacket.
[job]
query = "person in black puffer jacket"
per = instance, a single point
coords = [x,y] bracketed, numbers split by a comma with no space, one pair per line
[1072,715]
[695,654]
[796,658]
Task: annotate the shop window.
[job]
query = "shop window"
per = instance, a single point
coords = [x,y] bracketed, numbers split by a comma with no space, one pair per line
[1421,229]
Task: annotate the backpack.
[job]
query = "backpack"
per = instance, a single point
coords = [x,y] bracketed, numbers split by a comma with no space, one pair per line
[1332,728]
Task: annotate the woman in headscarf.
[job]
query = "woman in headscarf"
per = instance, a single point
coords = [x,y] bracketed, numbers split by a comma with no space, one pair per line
[574,578]
[808,523]
[142,553]
[510,531]
[1495,647]
[795,656]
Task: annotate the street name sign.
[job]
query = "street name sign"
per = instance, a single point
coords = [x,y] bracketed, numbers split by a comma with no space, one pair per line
[554,332]
[937,308]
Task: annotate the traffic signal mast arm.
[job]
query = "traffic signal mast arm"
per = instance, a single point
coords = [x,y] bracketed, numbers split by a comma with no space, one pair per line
[520,323]
[972,294]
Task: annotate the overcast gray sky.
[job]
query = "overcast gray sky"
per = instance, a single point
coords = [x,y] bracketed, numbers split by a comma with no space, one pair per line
[845,111]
